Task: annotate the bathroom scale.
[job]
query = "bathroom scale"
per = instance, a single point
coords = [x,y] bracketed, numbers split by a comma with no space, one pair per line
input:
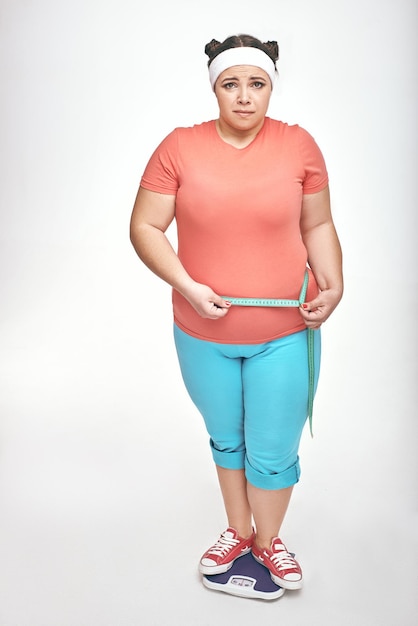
[247,578]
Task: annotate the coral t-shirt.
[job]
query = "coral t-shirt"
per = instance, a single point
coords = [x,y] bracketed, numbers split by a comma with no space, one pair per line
[237,215]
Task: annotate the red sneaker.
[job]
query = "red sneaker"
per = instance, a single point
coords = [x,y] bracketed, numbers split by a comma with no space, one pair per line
[221,556]
[284,570]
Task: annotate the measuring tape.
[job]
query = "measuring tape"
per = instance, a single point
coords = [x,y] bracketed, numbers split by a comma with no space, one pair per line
[280,302]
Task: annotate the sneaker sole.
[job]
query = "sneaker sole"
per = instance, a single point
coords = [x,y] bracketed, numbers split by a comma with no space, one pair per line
[291,585]
[209,570]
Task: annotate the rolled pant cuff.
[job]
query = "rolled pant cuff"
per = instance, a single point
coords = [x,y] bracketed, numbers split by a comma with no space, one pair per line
[228,460]
[287,478]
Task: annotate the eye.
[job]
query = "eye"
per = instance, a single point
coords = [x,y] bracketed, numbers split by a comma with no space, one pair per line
[229,85]
[258,84]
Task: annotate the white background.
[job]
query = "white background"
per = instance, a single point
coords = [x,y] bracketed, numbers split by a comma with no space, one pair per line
[108,494]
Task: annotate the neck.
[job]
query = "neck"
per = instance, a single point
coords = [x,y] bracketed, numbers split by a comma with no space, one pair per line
[237,137]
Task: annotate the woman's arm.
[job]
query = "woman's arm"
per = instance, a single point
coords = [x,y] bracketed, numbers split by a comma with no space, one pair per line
[324,257]
[151,216]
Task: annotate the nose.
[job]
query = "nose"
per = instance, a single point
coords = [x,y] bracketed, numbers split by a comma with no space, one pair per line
[243,96]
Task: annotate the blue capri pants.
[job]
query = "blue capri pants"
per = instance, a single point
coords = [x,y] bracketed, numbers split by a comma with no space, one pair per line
[254,401]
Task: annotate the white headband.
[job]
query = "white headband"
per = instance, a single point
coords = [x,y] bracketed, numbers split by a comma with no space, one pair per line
[241,56]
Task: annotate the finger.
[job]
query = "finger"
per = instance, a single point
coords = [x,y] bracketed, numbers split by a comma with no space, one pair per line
[220,302]
[312,305]
[305,311]
[313,319]
[216,311]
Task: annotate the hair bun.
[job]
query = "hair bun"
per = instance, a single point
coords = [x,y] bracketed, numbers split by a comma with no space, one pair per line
[273,48]
[212,47]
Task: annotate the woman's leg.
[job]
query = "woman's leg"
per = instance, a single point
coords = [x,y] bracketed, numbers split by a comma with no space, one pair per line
[212,374]
[234,491]
[269,510]
[275,400]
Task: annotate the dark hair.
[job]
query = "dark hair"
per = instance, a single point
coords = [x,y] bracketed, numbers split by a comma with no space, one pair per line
[213,48]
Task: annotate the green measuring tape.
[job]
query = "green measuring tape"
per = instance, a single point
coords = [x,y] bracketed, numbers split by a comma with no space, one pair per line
[280,302]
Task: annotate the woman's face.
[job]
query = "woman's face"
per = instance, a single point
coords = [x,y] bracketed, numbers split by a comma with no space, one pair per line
[243,93]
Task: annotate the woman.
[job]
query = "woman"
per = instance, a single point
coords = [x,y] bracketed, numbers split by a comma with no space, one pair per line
[251,202]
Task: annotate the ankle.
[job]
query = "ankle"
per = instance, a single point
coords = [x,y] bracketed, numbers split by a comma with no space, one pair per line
[263,543]
[244,531]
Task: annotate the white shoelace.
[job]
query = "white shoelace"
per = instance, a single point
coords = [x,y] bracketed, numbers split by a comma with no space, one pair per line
[223,545]
[283,560]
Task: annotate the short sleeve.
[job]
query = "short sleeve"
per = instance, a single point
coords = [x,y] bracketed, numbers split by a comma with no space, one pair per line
[316,175]
[160,173]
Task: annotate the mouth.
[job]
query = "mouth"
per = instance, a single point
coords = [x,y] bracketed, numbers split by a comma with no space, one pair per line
[243,113]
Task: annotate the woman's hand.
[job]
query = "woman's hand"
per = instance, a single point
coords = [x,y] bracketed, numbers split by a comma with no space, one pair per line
[206,302]
[317,311]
